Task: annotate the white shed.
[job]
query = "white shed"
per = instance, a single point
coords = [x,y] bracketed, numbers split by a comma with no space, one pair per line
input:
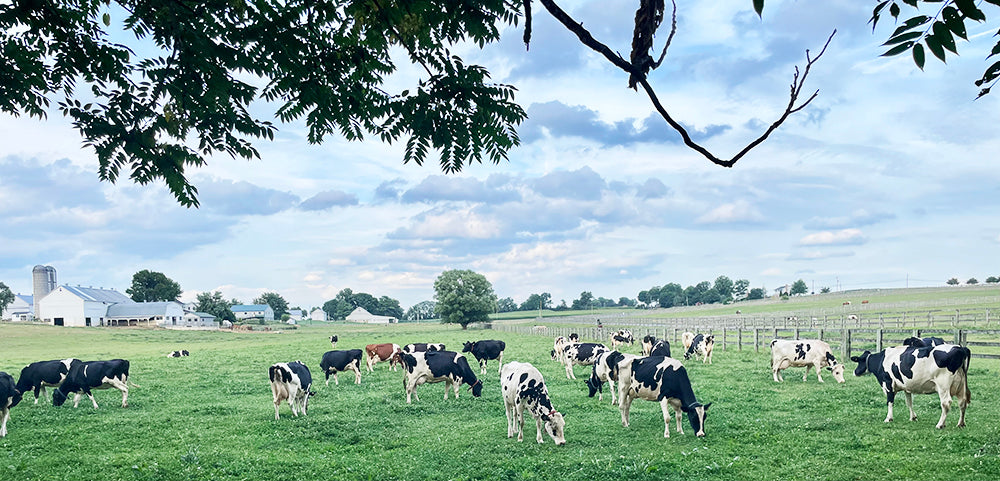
[145,313]
[362,315]
[318,315]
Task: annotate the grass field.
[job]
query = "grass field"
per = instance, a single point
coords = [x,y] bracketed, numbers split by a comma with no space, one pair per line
[209,416]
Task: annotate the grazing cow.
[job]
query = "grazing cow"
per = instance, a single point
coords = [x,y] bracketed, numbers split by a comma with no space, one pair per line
[291,381]
[647,344]
[852,317]
[701,346]
[574,337]
[522,387]
[606,370]
[804,352]
[686,339]
[437,366]
[846,303]
[37,375]
[382,352]
[486,350]
[927,341]
[422,347]
[84,376]
[181,353]
[583,354]
[864,301]
[557,348]
[9,397]
[664,380]
[653,347]
[622,336]
[333,340]
[340,361]
[922,370]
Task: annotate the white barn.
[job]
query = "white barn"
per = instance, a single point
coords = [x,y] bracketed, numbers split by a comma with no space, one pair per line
[253,311]
[318,315]
[145,313]
[362,315]
[79,306]
[22,309]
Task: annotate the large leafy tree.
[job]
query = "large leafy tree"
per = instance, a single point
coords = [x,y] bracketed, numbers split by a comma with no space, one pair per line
[464,297]
[150,286]
[506,304]
[6,296]
[278,304]
[535,302]
[419,311]
[214,304]
[585,301]
[799,287]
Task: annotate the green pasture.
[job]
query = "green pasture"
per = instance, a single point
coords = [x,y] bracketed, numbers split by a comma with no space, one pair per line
[209,416]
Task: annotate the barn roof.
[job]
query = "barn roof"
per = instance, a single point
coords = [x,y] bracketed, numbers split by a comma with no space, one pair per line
[98,295]
[139,309]
[249,307]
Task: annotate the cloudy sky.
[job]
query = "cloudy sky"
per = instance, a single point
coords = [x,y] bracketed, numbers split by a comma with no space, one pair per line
[887,179]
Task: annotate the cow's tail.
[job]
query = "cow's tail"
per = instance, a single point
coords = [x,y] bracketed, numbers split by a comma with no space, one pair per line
[965,368]
[134,384]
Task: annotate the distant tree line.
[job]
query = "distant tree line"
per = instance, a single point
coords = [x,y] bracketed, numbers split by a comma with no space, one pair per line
[347,301]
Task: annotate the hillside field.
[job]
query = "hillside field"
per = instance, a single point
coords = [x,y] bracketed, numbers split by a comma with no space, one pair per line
[210,416]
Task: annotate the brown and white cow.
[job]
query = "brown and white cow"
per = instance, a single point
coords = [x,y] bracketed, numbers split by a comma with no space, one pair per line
[522,387]
[810,353]
[382,352]
[291,381]
[661,379]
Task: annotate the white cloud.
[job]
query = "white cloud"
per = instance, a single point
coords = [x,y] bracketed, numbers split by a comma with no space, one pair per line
[841,237]
[740,211]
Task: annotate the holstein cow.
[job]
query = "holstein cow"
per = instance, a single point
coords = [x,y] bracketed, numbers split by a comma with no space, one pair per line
[557,347]
[701,346]
[927,341]
[9,397]
[583,354]
[291,381]
[922,370]
[382,352]
[422,347]
[647,344]
[606,371]
[486,350]
[664,380]
[574,337]
[436,366]
[653,347]
[340,361]
[622,336]
[333,341]
[37,375]
[85,376]
[804,352]
[522,387]
[181,353]
[686,339]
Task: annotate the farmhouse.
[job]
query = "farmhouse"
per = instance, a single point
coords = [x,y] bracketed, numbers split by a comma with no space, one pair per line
[253,311]
[318,315]
[362,315]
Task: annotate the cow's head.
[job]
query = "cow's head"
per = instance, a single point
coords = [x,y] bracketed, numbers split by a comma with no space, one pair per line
[477,388]
[837,369]
[58,397]
[697,413]
[574,337]
[553,354]
[862,361]
[555,425]
[595,384]
[333,340]
[15,398]
[467,347]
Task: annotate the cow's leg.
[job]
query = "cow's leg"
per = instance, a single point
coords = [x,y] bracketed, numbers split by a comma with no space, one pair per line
[665,407]
[538,430]
[92,400]
[889,398]
[357,374]
[500,361]
[569,369]
[624,403]
[677,413]
[944,392]
[371,361]
[39,390]
[508,411]
[3,424]
[327,378]
[336,382]
[909,404]
[611,387]
[520,421]
[775,370]
[819,369]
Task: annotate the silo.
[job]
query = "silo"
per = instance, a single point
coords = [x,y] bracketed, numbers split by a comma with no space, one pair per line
[43,282]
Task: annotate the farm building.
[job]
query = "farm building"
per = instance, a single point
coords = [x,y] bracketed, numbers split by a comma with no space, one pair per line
[199,319]
[22,309]
[144,314]
[362,315]
[295,314]
[318,315]
[79,306]
[253,311]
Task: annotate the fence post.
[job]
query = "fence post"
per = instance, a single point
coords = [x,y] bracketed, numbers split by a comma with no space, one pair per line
[796,333]
[756,339]
[723,338]
[878,340]
[847,343]
[739,339]
[821,334]
[958,337]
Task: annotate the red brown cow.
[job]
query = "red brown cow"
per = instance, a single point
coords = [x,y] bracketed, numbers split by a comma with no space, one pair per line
[382,352]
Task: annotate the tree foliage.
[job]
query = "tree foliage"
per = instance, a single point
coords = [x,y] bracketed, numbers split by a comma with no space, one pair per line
[506,304]
[150,286]
[756,293]
[535,302]
[6,296]
[953,281]
[278,304]
[464,297]
[585,301]
[346,301]
[799,287]
[213,303]
[420,311]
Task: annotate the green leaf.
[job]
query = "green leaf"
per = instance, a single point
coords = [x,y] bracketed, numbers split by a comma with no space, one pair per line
[875,14]
[912,3]
[996,50]
[994,2]
[954,21]
[898,49]
[969,8]
[902,38]
[943,34]
[894,10]
[758,6]
[910,23]
[918,55]
[107,19]
[935,45]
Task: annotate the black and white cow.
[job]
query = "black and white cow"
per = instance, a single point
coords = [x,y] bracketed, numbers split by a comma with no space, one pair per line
[660,348]
[9,397]
[923,342]
[438,366]
[606,371]
[582,354]
[574,337]
[486,350]
[647,344]
[85,376]
[687,338]
[664,380]
[181,353]
[422,347]
[621,336]
[291,381]
[811,353]
[557,347]
[339,361]
[701,346]
[522,387]
[922,370]
[39,375]
[333,340]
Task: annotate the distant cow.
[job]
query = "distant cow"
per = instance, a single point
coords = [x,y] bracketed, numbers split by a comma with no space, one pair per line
[852,317]
[291,381]
[39,375]
[340,361]
[9,397]
[605,370]
[583,354]
[486,350]
[382,352]
[438,366]
[922,370]
[846,303]
[621,336]
[811,353]
[924,342]
[647,344]
[664,380]
[422,347]
[574,337]
[85,376]
[701,346]
[557,347]
[655,347]
[686,339]
[522,387]
[181,353]
[333,340]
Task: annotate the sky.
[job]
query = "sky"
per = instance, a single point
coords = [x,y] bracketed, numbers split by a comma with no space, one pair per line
[887,179]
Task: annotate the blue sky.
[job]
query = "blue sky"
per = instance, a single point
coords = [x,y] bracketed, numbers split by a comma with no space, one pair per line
[887,179]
